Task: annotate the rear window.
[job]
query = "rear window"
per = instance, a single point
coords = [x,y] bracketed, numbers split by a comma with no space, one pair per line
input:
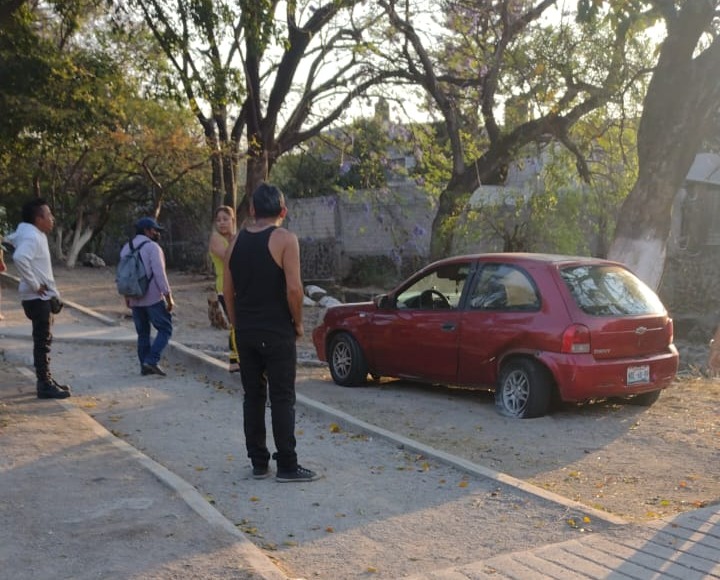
[610,291]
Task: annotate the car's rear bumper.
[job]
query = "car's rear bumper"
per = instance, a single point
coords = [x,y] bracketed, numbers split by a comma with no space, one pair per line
[580,377]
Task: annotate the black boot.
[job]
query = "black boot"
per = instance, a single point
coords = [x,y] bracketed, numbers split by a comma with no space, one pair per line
[46,389]
[59,386]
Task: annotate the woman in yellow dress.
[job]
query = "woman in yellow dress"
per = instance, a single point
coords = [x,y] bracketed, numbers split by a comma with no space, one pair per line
[222,234]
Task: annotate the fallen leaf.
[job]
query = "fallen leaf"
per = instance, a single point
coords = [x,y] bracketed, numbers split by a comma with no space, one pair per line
[269,546]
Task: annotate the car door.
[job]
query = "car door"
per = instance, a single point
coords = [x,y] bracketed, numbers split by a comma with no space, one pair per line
[417,337]
[500,314]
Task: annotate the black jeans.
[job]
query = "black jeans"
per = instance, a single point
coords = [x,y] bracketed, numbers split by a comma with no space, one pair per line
[38,311]
[268,359]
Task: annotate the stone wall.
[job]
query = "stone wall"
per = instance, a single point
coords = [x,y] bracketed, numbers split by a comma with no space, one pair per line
[690,286]
[690,290]
[384,232]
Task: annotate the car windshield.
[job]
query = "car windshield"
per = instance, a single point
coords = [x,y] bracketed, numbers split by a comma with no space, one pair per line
[603,290]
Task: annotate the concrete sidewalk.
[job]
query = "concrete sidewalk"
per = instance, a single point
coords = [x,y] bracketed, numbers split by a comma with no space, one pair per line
[78,502]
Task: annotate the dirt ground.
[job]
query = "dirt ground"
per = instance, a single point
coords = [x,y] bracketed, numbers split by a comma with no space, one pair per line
[640,463]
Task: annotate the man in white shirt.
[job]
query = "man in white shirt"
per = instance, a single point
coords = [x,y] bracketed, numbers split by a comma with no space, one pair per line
[37,289]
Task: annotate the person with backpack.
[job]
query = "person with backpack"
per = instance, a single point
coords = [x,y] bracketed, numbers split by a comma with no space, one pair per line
[152,303]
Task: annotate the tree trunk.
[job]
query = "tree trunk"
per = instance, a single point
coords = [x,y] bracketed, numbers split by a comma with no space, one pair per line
[489,169]
[257,173]
[230,179]
[78,243]
[451,205]
[682,97]
[643,228]
[218,189]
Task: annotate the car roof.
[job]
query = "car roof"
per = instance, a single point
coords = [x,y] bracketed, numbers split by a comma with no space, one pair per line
[524,257]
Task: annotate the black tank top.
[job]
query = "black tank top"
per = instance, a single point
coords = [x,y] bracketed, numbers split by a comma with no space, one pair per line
[260,290]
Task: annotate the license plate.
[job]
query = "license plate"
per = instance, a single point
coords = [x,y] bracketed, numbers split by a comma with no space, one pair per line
[638,375]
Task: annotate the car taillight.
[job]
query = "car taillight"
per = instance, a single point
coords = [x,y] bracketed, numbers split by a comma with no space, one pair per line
[576,339]
[671,330]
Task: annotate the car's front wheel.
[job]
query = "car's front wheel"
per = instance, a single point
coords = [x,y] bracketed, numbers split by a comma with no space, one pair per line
[347,362]
[524,389]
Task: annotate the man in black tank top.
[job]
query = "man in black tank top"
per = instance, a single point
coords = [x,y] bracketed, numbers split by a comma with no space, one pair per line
[264,297]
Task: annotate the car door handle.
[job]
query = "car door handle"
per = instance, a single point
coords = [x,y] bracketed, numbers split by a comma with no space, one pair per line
[448,327]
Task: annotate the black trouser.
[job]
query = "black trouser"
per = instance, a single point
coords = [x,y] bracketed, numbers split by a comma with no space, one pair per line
[268,359]
[231,347]
[38,311]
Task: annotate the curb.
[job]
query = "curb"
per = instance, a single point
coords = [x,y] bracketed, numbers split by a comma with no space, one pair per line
[259,562]
[459,462]
[218,370]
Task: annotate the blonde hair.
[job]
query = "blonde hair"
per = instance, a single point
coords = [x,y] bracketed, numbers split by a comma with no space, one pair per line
[225,208]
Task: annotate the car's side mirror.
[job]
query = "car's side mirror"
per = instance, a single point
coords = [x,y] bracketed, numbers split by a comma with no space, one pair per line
[384,302]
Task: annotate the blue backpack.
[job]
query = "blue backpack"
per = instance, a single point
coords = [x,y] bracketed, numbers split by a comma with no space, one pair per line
[131,279]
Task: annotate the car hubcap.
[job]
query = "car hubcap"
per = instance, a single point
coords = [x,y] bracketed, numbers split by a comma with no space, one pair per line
[342,359]
[516,391]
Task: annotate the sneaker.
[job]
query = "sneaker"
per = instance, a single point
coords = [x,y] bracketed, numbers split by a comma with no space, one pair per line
[261,472]
[148,369]
[299,474]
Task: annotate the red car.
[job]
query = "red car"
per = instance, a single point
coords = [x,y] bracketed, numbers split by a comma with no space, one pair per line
[537,328]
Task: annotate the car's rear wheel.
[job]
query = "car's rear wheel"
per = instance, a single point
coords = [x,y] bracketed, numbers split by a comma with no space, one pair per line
[347,362]
[524,389]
